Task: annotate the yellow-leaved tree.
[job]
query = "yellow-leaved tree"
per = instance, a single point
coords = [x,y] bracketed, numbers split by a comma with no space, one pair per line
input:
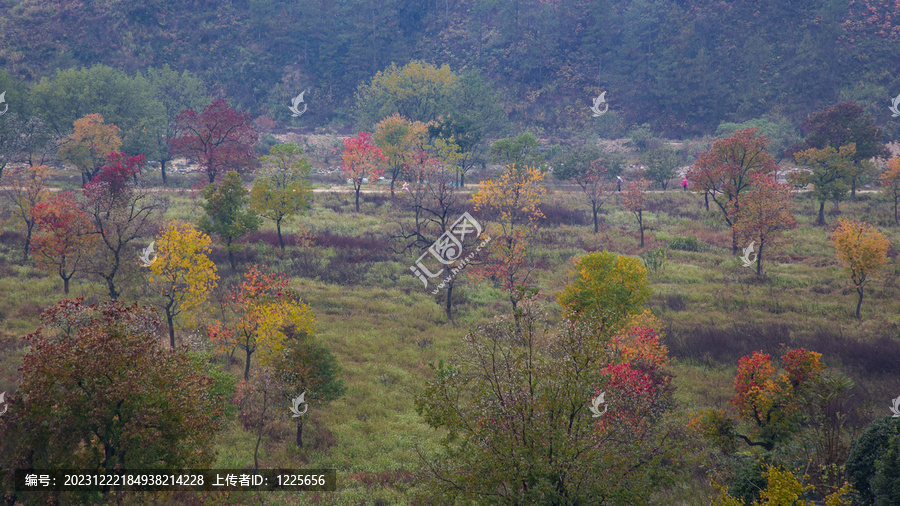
[515,196]
[90,144]
[264,309]
[282,191]
[182,274]
[862,250]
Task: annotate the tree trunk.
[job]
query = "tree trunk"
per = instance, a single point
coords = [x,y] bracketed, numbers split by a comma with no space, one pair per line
[706,200]
[247,364]
[859,290]
[853,189]
[65,285]
[230,254]
[759,260]
[30,229]
[896,221]
[162,167]
[357,196]
[171,327]
[641,225]
[594,209]
[821,219]
[300,433]
[448,307]
[278,227]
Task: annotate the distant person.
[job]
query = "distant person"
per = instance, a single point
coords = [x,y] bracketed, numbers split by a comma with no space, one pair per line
[684,184]
[619,182]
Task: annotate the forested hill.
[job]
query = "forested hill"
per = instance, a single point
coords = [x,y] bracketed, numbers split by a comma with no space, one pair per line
[681,66]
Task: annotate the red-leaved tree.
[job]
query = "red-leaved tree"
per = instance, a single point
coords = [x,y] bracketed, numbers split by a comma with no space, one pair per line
[219,139]
[634,201]
[63,238]
[724,171]
[765,213]
[362,159]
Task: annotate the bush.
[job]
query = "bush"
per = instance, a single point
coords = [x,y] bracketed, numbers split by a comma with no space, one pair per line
[687,243]
[655,260]
[871,446]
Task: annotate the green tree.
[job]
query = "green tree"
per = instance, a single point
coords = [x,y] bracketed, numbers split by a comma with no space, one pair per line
[522,150]
[282,190]
[828,170]
[662,165]
[173,92]
[225,213]
[867,451]
[99,392]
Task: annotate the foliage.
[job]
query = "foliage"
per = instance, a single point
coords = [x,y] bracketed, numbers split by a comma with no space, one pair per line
[183,275]
[662,165]
[225,213]
[655,260]
[890,184]
[63,240]
[866,453]
[782,488]
[828,172]
[515,405]
[89,146]
[780,131]
[399,139]
[765,213]
[418,91]
[99,392]
[220,139]
[724,171]
[24,188]
[633,200]
[862,250]
[586,166]
[282,191]
[605,289]
[686,243]
[261,309]
[362,160]
[120,211]
[522,150]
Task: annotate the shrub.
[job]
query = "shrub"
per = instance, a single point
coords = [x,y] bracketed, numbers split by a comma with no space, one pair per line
[687,243]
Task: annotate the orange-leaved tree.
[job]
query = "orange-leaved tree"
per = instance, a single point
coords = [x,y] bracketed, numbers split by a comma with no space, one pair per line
[765,212]
[723,171]
[515,196]
[263,307]
[862,250]
[362,160]
[90,144]
[24,188]
[63,239]
[399,139]
[890,183]
[634,201]
[182,275]
[769,404]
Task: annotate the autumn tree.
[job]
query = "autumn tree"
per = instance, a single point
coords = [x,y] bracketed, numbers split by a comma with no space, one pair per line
[521,392]
[24,188]
[862,251]
[63,240]
[182,275]
[605,290]
[262,308]
[840,125]
[120,211]
[764,214]
[588,169]
[634,201]
[89,146]
[890,184]
[768,404]
[220,139]
[399,139]
[225,213]
[99,392]
[827,170]
[282,191]
[362,160]
[418,91]
[515,197]
[662,165]
[724,171]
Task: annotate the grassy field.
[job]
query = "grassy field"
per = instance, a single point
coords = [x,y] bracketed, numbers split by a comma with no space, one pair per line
[385,328]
